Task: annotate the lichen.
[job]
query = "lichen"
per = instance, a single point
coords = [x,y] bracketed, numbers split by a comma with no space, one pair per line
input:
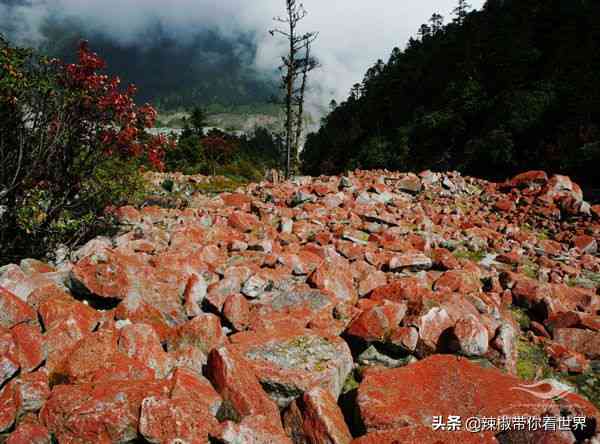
[310,353]
[351,383]
[474,256]
[521,316]
[587,384]
[532,362]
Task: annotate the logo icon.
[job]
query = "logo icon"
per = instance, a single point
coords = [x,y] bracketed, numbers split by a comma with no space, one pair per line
[546,389]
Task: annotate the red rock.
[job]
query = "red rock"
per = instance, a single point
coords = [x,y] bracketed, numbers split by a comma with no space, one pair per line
[104,275]
[128,214]
[405,337]
[236,311]
[335,279]
[302,263]
[243,222]
[237,200]
[443,259]
[31,392]
[89,355]
[441,385]
[410,290]
[586,342]
[193,295]
[120,367]
[472,335]
[203,332]
[322,190]
[413,261]
[458,281]
[135,310]
[8,407]
[163,290]
[95,359]
[219,291]
[291,360]
[238,385]
[29,433]
[590,322]
[539,329]
[21,285]
[63,335]
[526,291]
[409,183]
[13,310]
[349,250]
[99,413]
[425,435]
[512,258]
[566,360]
[9,366]
[432,325]
[586,244]
[356,236]
[565,319]
[189,358]
[33,266]
[253,430]
[256,285]
[56,306]
[193,386]
[30,346]
[551,247]
[298,306]
[529,178]
[141,342]
[505,205]
[377,323]
[371,281]
[316,418]
[166,420]
[562,185]
[573,404]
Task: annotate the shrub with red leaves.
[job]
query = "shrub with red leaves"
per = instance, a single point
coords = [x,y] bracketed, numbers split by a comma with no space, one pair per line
[60,125]
[218,149]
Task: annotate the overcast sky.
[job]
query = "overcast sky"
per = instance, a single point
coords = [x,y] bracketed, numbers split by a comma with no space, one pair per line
[353,33]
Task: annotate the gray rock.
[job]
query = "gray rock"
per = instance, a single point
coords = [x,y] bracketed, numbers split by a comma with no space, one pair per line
[371,356]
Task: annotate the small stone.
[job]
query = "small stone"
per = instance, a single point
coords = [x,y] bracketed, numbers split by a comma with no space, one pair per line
[472,335]
[412,261]
[13,310]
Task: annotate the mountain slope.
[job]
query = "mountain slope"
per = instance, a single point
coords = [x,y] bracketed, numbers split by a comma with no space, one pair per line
[514,86]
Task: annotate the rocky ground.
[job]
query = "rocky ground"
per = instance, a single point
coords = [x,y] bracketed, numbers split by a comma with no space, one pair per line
[376,307]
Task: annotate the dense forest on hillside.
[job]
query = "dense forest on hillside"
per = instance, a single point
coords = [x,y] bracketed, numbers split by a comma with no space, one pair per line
[511,87]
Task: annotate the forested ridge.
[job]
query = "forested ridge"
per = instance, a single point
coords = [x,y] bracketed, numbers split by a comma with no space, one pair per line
[508,88]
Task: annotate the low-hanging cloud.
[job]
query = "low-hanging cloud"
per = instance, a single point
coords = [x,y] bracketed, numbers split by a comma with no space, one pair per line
[353,34]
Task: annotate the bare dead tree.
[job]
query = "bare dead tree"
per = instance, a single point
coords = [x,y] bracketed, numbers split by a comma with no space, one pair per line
[308,64]
[295,68]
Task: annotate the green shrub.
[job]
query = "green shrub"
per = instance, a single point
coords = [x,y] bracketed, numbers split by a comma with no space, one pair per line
[167,185]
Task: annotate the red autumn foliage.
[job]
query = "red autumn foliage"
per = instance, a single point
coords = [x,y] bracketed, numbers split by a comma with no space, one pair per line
[218,148]
[111,111]
[68,132]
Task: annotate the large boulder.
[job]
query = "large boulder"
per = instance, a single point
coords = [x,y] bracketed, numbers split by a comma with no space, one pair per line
[289,362]
[443,386]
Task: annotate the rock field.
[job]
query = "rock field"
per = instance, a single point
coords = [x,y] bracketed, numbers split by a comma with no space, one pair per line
[356,309]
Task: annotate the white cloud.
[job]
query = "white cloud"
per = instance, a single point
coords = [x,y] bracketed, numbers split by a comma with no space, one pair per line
[353,34]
